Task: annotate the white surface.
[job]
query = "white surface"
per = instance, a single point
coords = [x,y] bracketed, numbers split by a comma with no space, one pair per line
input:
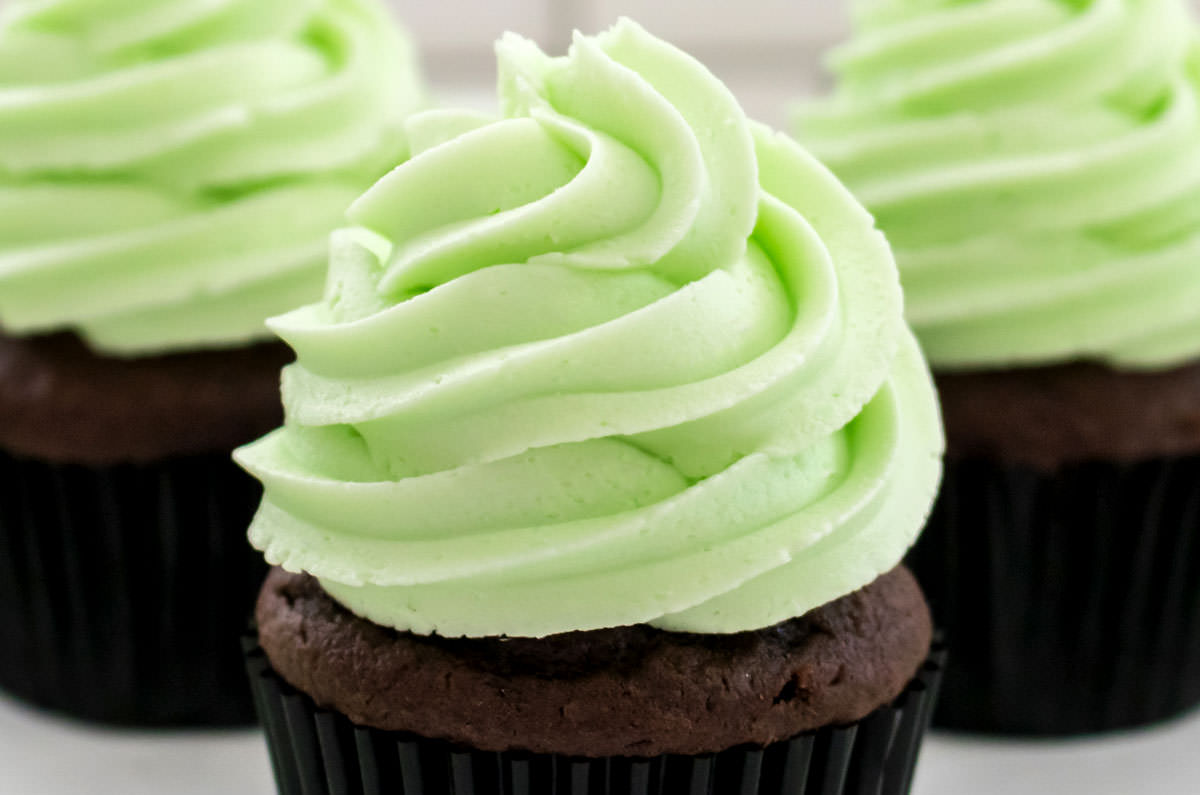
[44,756]
[40,755]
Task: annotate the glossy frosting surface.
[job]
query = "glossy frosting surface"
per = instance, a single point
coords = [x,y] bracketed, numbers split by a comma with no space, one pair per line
[618,357]
[170,170]
[1036,165]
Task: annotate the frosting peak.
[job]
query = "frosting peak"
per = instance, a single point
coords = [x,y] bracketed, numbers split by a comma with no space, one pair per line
[620,356]
[169,170]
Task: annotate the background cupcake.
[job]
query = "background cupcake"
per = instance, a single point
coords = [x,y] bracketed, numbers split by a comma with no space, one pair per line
[1036,167]
[601,455]
[169,173]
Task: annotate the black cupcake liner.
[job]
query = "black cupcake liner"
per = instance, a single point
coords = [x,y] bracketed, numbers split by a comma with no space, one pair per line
[317,752]
[1072,599]
[124,589]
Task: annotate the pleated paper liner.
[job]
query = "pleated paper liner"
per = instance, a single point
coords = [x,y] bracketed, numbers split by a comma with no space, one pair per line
[318,752]
[1072,600]
[124,589]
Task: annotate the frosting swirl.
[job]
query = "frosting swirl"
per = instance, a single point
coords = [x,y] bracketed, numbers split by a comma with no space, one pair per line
[170,170]
[618,357]
[1036,165]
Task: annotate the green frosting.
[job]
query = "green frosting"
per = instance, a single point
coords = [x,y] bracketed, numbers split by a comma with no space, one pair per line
[170,171]
[1036,165]
[618,357]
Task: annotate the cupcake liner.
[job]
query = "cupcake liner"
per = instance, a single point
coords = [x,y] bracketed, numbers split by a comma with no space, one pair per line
[124,589]
[318,752]
[1072,599]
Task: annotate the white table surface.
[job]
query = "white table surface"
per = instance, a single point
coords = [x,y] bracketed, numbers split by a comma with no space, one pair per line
[40,755]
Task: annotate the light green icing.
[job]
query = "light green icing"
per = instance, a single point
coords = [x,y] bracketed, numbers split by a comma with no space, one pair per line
[618,357]
[170,170]
[1036,166]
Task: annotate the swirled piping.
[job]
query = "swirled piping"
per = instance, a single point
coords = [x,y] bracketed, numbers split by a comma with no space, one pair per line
[170,171]
[618,357]
[1036,164]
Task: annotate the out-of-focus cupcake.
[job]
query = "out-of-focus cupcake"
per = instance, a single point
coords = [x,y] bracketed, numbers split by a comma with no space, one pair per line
[601,456]
[169,174]
[1036,166]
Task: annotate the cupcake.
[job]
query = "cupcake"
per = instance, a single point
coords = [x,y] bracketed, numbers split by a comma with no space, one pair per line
[169,175]
[1036,167]
[601,455]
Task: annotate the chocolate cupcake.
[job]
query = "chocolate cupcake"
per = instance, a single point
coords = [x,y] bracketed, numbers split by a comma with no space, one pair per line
[623,710]
[600,457]
[169,175]
[1037,169]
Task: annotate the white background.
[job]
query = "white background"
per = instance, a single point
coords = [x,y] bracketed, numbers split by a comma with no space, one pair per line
[767,51]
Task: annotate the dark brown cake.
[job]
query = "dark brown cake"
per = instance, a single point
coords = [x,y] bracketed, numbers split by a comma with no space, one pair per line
[632,691]
[61,402]
[1049,417]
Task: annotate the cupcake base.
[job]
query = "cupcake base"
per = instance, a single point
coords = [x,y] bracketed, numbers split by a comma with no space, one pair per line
[318,752]
[1071,597]
[123,589]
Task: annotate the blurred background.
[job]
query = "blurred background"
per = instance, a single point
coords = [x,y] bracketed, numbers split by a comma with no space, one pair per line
[767,51]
